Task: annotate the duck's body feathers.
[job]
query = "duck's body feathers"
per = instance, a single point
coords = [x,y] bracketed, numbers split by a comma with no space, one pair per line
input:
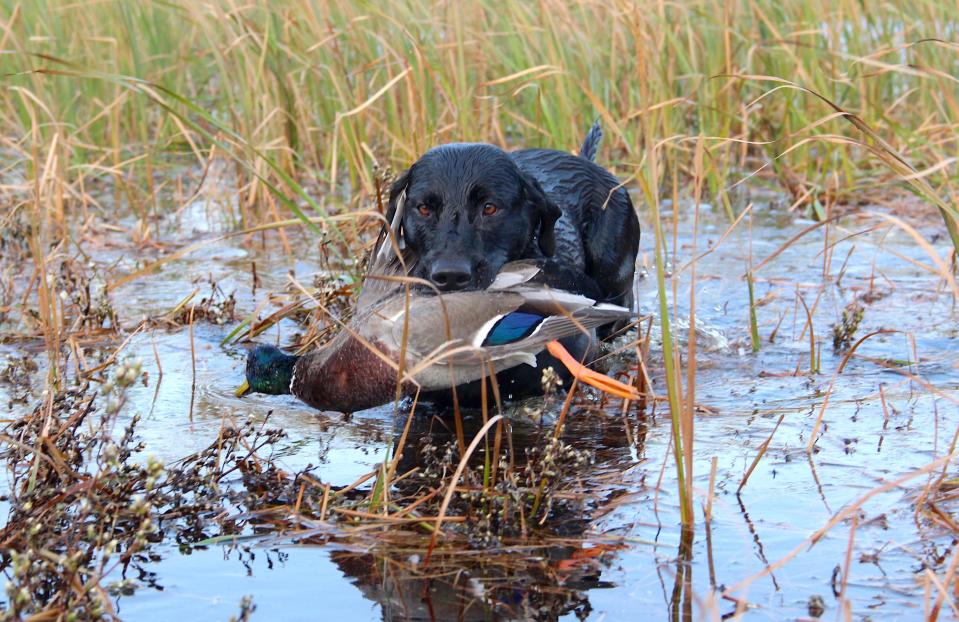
[439,341]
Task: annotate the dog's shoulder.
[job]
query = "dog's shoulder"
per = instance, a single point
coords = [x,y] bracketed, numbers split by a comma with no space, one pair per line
[567,177]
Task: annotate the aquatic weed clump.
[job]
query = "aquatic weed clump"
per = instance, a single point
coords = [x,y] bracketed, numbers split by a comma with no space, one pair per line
[80,509]
[515,499]
[844,332]
[217,308]
[206,488]
[83,291]
[84,510]
[554,468]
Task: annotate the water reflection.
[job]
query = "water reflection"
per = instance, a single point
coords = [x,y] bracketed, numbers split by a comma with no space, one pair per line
[479,591]
[544,576]
[681,600]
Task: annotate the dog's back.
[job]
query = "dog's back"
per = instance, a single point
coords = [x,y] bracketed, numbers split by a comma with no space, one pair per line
[598,231]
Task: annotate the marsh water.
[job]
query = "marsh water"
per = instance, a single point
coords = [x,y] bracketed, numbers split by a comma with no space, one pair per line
[891,411]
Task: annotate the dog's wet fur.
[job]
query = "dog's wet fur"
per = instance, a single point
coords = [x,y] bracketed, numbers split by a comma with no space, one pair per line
[469,208]
[466,209]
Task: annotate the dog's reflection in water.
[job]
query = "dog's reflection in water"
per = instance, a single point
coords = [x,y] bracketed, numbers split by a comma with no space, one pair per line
[542,574]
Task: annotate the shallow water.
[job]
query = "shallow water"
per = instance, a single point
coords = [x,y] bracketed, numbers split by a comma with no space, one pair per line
[657,571]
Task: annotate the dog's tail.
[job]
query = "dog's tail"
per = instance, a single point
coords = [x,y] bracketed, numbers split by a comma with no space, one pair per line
[591,144]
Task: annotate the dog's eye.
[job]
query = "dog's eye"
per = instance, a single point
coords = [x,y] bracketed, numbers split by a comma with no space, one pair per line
[489,209]
[423,209]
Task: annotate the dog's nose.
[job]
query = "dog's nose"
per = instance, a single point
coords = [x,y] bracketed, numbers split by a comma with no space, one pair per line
[451,274]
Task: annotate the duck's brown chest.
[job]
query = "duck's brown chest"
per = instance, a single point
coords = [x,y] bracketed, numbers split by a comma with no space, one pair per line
[351,378]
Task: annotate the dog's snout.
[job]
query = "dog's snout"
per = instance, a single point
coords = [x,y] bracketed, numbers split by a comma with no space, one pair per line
[451,274]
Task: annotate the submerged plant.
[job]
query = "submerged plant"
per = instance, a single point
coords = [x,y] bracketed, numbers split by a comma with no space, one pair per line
[543,489]
[844,332]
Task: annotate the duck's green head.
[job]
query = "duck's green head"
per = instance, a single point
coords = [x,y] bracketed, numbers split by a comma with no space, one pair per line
[268,370]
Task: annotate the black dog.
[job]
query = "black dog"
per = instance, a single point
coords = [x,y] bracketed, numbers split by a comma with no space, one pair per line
[469,208]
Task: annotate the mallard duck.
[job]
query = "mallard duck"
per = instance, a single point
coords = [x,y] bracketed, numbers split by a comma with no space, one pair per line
[432,342]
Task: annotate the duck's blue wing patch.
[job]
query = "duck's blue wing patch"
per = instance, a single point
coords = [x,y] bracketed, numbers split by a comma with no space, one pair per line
[512,327]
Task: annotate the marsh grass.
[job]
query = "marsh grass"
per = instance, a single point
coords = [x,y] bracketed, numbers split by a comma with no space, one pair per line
[328,90]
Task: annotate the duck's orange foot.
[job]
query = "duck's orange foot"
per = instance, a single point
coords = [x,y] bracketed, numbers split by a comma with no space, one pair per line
[593,378]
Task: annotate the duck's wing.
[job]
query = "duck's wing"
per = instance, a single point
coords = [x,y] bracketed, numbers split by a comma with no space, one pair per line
[548,275]
[390,245]
[529,330]
[385,280]
[490,324]
[425,323]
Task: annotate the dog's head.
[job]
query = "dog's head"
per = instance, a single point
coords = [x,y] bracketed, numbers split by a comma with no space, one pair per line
[466,209]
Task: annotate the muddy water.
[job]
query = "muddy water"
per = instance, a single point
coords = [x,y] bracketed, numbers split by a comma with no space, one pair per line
[658,572]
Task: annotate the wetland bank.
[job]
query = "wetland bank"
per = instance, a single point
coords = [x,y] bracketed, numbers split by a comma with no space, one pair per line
[171,171]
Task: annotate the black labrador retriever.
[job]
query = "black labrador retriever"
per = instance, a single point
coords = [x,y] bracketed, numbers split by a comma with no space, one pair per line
[466,209]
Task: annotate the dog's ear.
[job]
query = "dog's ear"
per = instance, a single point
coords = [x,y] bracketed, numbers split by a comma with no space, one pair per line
[397,198]
[546,212]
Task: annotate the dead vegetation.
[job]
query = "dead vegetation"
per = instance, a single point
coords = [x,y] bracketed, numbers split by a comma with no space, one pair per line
[216,307]
[19,373]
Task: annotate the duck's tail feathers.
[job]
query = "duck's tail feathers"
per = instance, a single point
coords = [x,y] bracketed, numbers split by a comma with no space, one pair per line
[591,143]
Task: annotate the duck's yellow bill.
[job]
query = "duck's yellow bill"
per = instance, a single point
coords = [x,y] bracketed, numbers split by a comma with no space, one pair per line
[593,378]
[242,389]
